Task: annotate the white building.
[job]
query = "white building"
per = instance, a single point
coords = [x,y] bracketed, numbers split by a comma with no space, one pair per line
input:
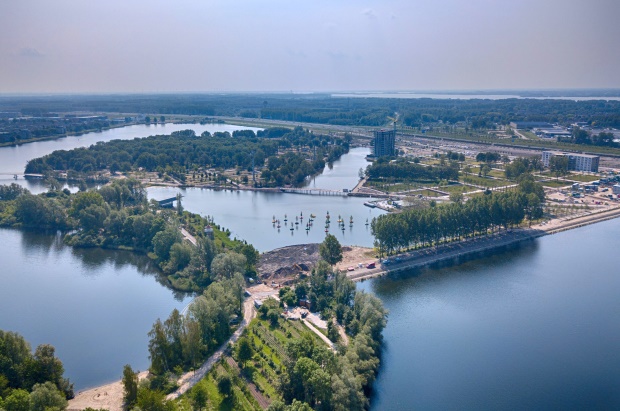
[576,162]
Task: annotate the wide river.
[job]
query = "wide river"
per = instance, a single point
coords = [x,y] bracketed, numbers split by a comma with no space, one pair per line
[531,327]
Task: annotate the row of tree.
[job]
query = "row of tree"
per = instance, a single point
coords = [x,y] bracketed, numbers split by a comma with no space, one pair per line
[454,221]
[182,342]
[402,169]
[580,136]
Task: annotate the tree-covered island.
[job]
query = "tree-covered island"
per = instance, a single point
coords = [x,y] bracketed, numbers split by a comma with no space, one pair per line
[273,157]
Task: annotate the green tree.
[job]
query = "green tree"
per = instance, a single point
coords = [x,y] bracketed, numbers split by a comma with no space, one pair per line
[18,400]
[558,165]
[244,350]
[48,367]
[199,397]
[153,400]
[224,385]
[225,265]
[331,250]
[46,397]
[130,387]
[332,331]
[163,242]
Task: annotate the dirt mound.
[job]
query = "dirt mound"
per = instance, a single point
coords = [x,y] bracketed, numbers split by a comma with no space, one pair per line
[288,262]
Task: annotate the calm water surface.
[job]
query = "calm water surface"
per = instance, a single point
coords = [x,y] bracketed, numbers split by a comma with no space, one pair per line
[95,306]
[533,327]
[249,214]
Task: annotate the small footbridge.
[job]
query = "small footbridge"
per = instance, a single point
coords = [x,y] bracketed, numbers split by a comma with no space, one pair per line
[315,191]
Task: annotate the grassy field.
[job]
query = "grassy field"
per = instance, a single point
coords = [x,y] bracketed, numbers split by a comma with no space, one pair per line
[393,187]
[457,188]
[428,193]
[584,178]
[556,183]
[485,182]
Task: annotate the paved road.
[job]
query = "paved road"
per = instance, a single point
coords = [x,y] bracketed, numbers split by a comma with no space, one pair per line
[188,380]
[189,237]
[320,334]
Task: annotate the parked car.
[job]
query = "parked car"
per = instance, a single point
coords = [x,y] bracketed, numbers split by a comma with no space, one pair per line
[370,265]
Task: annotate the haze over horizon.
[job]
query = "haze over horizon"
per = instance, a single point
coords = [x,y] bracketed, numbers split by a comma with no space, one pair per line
[281,46]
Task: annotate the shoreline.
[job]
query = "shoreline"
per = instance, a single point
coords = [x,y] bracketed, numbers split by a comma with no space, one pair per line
[91,397]
[428,256]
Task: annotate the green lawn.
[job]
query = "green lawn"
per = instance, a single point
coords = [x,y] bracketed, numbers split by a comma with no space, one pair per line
[556,183]
[457,188]
[584,178]
[485,182]
[428,193]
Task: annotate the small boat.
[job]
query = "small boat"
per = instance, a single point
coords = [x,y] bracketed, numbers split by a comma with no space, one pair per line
[366,221]
[296,222]
[326,230]
[273,220]
[278,226]
[312,216]
[351,220]
[292,228]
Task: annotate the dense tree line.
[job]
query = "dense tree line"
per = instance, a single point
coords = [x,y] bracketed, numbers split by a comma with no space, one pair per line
[449,222]
[402,169]
[323,108]
[488,157]
[185,341]
[183,151]
[581,136]
[31,381]
[521,165]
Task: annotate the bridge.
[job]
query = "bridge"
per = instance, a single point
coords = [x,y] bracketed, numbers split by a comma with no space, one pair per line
[167,203]
[315,191]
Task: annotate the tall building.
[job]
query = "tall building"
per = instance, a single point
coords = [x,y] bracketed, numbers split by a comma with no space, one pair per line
[384,143]
[576,162]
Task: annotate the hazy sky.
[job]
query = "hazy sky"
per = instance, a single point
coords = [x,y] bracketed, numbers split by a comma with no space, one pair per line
[307,45]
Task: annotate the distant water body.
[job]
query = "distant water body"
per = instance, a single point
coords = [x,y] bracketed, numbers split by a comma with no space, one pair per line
[468,96]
